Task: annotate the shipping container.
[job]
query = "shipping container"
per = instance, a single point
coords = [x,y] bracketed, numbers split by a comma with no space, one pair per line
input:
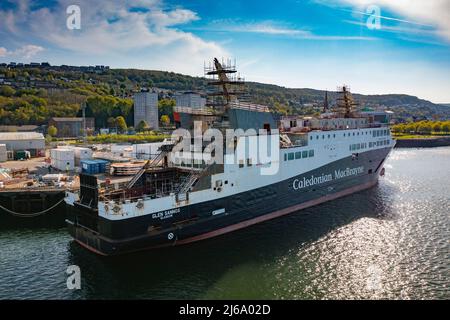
[63,165]
[94,166]
[63,154]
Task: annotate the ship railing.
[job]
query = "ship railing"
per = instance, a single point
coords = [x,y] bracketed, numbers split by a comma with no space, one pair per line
[126,200]
[341,128]
[249,106]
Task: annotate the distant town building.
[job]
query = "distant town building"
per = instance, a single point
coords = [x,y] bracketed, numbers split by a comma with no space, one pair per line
[146,108]
[24,141]
[71,127]
[190,100]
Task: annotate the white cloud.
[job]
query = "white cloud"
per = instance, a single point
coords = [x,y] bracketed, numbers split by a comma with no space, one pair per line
[26,52]
[430,12]
[114,28]
[274,28]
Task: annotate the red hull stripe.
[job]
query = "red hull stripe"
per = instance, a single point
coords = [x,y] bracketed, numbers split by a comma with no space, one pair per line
[90,248]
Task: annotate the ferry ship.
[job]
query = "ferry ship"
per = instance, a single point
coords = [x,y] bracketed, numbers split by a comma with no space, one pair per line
[182,197]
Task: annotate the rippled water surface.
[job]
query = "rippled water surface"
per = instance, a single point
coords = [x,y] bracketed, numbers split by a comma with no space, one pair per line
[391,241]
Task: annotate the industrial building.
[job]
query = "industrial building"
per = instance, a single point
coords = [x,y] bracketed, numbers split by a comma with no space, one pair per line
[24,141]
[190,99]
[3,153]
[71,127]
[146,109]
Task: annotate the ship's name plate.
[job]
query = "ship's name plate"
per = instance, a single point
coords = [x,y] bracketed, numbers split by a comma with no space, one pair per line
[165,214]
[338,174]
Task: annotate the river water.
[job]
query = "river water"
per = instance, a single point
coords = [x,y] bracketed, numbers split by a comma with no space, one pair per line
[389,242]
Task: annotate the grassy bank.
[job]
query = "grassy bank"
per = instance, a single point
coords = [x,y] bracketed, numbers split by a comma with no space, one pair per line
[402,136]
[124,138]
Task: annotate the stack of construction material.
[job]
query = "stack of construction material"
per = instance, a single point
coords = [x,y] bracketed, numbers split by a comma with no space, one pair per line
[121,150]
[63,159]
[3,153]
[55,177]
[126,169]
[146,151]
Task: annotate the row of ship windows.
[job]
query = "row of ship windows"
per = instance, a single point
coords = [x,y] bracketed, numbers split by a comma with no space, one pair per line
[358,146]
[299,155]
[374,133]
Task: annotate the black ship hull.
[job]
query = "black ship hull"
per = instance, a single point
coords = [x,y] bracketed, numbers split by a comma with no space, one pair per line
[196,222]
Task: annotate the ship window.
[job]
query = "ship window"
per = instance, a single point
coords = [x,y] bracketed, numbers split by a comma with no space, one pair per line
[323,136]
[344,134]
[311,153]
[241,163]
[358,133]
[285,156]
[249,162]
[226,182]
[298,155]
[291,156]
[353,133]
[305,154]
[334,135]
[329,136]
[350,147]
[311,138]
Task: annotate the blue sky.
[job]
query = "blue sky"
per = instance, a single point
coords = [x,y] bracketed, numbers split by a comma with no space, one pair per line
[294,43]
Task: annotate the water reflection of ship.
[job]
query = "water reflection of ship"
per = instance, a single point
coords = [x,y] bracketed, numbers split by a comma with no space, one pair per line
[256,247]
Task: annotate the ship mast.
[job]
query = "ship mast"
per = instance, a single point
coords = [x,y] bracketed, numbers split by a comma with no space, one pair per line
[345,104]
[229,86]
[325,103]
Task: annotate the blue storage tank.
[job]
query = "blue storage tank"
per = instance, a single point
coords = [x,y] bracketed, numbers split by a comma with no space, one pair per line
[93,166]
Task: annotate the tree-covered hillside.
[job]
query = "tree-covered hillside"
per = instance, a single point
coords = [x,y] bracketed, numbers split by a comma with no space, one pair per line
[33,95]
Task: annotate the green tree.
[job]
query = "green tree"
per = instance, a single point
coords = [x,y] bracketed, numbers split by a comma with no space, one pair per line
[52,131]
[111,122]
[7,91]
[437,127]
[165,119]
[121,124]
[165,107]
[446,127]
[142,126]
[424,128]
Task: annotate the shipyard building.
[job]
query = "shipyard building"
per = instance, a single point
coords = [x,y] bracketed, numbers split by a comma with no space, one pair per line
[71,127]
[24,141]
[146,109]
